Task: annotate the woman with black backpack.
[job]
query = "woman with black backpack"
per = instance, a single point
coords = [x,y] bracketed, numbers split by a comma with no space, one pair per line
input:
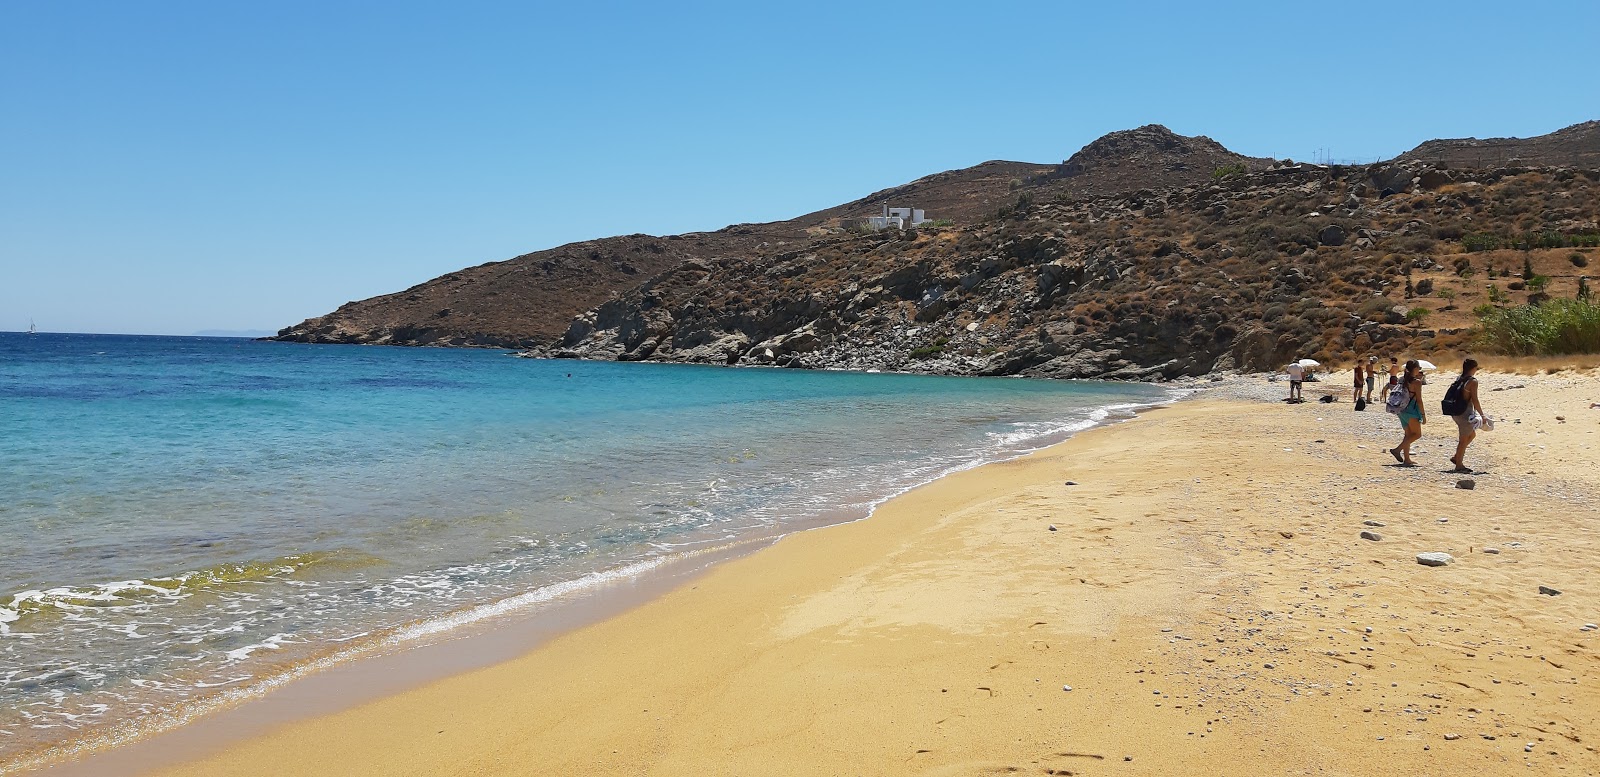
[1461,404]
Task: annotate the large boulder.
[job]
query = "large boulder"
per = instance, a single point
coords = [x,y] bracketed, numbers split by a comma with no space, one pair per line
[1332,235]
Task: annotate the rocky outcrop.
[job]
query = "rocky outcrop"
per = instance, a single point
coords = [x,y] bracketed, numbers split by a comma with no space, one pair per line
[1577,146]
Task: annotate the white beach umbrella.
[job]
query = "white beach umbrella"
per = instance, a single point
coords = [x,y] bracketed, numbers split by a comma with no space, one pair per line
[1309,363]
[1426,365]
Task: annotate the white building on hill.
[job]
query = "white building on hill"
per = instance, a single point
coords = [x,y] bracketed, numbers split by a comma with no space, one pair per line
[899,218]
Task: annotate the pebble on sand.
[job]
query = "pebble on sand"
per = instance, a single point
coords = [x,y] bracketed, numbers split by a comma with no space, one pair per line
[1548,591]
[1371,535]
[1467,484]
[1434,559]
[1373,523]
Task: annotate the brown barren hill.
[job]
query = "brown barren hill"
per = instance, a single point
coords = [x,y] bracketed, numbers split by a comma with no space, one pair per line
[529,301]
[1150,157]
[1574,146]
[520,302]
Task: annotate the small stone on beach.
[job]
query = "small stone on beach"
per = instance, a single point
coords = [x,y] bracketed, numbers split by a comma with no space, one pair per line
[1492,551]
[1451,737]
[1434,559]
[1548,591]
[1373,523]
[1371,535]
[1052,527]
[1466,484]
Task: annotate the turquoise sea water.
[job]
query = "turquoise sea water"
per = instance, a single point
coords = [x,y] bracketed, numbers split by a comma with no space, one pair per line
[187,517]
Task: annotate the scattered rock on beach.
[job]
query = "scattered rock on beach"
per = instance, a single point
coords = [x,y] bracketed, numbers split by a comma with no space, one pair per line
[1052,527]
[1451,737]
[1434,559]
[1548,591]
[1492,551]
[1072,482]
[1373,523]
[1467,484]
[1372,535]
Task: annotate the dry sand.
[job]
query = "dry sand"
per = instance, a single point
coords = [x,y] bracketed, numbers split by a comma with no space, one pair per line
[1205,595]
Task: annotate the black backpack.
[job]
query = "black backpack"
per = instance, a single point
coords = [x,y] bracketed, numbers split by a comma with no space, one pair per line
[1455,401]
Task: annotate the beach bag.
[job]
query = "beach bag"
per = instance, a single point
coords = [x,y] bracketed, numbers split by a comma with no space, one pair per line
[1361,404]
[1398,399]
[1454,403]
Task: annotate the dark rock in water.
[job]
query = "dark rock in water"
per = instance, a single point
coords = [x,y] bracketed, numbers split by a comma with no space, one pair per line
[1371,535]
[1466,484]
[1548,591]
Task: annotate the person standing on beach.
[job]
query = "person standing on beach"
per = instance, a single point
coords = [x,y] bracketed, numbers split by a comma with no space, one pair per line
[1394,371]
[1412,416]
[1372,375]
[1360,375]
[1461,404]
[1296,374]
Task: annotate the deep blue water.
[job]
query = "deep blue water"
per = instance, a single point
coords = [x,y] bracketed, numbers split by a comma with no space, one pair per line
[182,515]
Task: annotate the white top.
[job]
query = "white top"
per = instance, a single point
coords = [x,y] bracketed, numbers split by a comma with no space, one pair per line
[1296,372]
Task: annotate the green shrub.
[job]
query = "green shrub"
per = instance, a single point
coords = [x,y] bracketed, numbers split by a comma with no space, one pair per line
[1228,171]
[1578,260]
[1417,315]
[1553,328]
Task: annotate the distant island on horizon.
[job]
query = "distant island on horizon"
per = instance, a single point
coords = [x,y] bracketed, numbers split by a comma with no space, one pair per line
[234,333]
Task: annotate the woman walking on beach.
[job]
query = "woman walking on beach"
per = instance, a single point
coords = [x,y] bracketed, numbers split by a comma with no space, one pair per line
[1411,413]
[1372,376]
[1461,404]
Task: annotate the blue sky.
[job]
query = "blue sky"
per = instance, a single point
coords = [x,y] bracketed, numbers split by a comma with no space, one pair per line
[167,167]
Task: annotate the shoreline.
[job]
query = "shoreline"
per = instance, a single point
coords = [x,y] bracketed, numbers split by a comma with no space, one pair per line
[1208,549]
[393,662]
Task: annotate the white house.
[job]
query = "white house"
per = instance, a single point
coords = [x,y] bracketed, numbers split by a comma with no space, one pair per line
[899,218]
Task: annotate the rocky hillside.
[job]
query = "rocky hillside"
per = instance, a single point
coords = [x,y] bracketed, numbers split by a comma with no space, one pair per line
[1249,271]
[1145,255]
[1150,157]
[1575,146]
[528,301]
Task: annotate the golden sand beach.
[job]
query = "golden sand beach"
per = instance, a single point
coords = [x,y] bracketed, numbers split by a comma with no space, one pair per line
[1198,601]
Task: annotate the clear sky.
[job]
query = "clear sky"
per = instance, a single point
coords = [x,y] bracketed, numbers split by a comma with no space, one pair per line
[172,166]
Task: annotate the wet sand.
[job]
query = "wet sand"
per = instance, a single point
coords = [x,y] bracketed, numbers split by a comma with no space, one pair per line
[1204,595]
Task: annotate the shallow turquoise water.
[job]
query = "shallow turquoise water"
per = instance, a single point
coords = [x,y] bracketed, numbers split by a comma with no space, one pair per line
[184,515]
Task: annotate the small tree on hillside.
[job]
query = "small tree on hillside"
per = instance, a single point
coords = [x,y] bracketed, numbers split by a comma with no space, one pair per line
[1583,288]
[1527,267]
[1417,315]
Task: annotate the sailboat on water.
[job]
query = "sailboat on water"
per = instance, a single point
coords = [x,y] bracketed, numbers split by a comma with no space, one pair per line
[32,330]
